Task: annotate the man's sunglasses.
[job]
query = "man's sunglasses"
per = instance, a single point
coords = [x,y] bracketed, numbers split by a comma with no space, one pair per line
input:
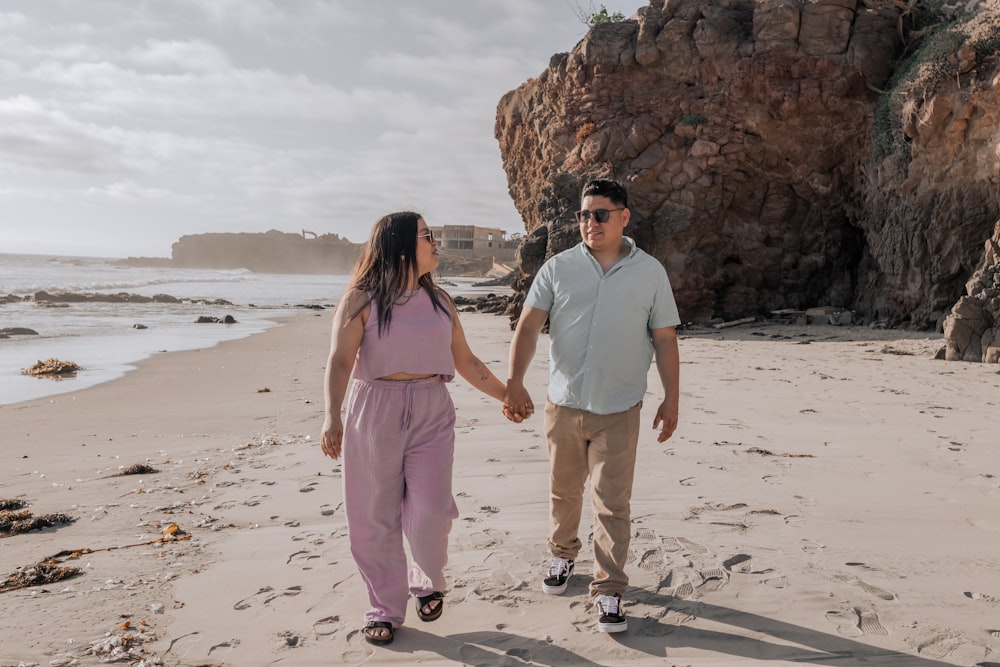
[600,214]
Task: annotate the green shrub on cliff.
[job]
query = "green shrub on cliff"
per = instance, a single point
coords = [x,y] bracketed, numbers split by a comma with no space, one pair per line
[602,16]
[935,59]
[592,17]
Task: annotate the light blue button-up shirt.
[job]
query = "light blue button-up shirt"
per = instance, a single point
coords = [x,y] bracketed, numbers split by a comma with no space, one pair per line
[600,345]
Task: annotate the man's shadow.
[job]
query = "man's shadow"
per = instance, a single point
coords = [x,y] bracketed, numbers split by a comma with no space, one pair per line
[804,645]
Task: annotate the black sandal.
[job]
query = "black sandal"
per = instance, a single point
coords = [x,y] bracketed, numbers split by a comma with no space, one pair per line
[375,639]
[424,601]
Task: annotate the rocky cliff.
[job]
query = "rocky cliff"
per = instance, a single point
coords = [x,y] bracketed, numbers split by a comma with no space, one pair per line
[270,252]
[778,153]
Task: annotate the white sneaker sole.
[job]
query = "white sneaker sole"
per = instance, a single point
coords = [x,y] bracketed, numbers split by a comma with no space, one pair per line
[612,627]
[555,590]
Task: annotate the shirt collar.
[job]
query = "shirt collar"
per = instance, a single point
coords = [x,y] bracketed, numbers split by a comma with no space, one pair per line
[627,240]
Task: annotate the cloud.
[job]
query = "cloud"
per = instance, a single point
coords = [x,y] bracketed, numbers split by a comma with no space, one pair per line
[37,138]
[248,115]
[196,56]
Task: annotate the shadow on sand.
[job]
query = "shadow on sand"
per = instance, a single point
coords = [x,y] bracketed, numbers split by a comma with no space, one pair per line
[790,642]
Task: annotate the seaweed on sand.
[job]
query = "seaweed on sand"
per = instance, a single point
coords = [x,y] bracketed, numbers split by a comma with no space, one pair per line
[41,573]
[13,522]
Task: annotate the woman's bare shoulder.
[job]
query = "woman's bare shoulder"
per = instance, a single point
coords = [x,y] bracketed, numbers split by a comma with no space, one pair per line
[354,301]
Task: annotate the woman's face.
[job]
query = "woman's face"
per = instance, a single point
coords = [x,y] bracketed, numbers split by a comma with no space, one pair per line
[427,250]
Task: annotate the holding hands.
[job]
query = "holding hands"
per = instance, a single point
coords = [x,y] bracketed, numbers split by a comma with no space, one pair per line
[517,404]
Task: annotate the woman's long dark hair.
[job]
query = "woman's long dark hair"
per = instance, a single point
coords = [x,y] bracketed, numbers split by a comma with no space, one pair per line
[387,262]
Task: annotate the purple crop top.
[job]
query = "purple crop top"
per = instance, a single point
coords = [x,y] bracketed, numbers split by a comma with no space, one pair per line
[418,341]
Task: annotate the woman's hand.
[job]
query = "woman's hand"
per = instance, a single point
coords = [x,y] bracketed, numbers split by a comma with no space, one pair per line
[332,438]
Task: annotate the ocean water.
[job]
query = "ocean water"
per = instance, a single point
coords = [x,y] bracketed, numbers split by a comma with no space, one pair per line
[102,337]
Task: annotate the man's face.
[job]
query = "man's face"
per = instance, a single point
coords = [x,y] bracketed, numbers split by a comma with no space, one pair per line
[602,235]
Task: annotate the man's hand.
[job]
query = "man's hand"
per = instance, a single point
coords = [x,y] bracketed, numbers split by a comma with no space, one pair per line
[665,420]
[517,404]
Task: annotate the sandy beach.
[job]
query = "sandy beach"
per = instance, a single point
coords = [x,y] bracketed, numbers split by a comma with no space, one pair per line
[830,497]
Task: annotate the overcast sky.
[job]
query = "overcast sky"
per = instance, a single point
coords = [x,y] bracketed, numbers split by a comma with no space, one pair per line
[125,124]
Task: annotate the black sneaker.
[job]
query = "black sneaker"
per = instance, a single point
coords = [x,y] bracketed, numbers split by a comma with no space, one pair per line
[610,617]
[560,571]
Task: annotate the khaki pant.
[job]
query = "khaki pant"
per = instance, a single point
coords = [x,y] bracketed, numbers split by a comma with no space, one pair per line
[582,443]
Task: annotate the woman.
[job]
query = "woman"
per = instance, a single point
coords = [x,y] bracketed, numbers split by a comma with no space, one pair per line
[399,337]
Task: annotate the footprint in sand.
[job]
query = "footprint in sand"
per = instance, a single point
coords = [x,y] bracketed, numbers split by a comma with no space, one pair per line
[880,593]
[981,596]
[846,622]
[265,596]
[327,626]
[875,590]
[739,564]
[684,590]
[812,546]
[692,546]
[584,620]
[311,537]
[942,644]
[246,603]
[671,544]
[869,623]
[326,510]
[653,560]
[644,535]
[863,566]
[361,654]
[485,539]
[712,580]
[303,559]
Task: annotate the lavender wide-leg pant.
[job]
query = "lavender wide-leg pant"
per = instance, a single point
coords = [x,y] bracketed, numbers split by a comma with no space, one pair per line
[399,446]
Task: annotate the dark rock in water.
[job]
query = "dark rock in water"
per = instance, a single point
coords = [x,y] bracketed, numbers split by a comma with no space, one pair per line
[17,331]
[206,319]
[53,368]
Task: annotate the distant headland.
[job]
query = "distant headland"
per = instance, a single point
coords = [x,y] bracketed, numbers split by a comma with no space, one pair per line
[464,250]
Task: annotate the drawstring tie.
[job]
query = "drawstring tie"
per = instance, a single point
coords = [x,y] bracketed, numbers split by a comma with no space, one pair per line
[408,405]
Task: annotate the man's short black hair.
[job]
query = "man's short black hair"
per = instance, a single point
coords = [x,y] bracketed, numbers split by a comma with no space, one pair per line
[605,187]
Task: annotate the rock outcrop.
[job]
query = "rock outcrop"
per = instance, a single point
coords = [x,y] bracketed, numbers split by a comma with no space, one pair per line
[972,329]
[779,154]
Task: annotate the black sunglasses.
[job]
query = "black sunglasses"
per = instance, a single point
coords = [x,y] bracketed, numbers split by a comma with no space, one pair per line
[600,214]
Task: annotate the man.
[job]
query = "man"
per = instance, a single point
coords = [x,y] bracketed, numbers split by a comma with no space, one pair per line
[611,311]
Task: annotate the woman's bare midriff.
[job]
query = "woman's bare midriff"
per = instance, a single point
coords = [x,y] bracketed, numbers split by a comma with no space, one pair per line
[404,377]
